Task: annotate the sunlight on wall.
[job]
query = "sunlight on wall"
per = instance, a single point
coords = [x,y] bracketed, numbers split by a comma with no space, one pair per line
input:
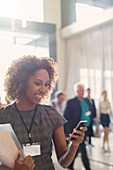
[30,10]
[84,11]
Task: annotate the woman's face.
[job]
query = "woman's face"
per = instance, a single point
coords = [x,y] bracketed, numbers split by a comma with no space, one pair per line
[37,86]
[105,94]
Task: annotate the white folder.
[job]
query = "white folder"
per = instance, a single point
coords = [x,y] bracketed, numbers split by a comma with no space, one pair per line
[9,145]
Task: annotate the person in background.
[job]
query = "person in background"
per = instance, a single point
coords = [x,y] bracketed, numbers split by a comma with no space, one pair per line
[76,110]
[29,81]
[104,112]
[59,102]
[91,104]
[1,104]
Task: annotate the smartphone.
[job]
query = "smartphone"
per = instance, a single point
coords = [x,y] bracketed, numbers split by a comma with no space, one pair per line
[80,124]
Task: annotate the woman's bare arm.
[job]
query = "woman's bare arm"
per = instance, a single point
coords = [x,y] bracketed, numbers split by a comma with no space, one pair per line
[5,168]
[65,156]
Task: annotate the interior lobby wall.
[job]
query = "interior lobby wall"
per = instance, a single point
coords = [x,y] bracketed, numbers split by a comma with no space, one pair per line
[52,14]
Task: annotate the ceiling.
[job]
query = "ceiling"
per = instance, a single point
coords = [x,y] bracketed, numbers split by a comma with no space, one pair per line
[98,3]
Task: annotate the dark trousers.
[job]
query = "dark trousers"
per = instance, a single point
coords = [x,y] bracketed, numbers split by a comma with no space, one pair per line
[89,133]
[84,156]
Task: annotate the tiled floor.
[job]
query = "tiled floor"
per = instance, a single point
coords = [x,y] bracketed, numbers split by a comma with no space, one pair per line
[99,160]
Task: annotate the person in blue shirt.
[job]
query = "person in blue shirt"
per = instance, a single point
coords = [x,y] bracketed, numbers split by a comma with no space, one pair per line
[77,109]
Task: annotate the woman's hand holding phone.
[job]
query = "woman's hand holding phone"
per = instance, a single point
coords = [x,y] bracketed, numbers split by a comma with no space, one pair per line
[78,134]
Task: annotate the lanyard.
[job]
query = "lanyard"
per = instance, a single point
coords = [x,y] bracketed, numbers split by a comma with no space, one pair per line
[28,130]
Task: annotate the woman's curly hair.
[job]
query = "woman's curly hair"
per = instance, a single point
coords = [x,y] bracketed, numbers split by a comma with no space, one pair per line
[22,69]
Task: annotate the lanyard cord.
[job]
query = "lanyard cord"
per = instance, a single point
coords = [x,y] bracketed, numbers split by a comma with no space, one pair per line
[28,130]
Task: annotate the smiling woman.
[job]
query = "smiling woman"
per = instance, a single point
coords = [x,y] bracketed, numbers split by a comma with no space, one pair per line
[29,81]
[29,69]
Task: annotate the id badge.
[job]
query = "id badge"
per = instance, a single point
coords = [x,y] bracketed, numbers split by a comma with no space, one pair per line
[88,113]
[33,150]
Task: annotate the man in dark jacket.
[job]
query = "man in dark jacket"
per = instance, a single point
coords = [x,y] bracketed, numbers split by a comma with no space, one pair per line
[76,110]
[91,104]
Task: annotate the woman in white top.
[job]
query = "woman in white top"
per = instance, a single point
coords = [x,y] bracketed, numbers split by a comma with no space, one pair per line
[104,112]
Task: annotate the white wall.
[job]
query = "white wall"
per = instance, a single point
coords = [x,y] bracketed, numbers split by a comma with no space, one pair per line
[90,54]
[99,20]
[52,14]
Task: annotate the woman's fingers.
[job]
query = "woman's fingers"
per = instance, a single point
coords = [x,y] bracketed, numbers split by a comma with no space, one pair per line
[78,135]
[19,156]
[26,164]
[84,129]
[28,161]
